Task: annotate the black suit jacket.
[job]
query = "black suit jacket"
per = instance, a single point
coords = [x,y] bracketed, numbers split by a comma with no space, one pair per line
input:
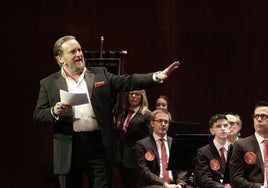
[246,164]
[209,170]
[149,169]
[101,96]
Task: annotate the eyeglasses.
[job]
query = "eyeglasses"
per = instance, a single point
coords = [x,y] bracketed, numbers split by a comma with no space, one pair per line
[134,93]
[262,116]
[219,126]
[232,123]
[162,121]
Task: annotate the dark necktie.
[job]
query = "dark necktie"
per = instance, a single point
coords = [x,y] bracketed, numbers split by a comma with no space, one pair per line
[222,149]
[265,151]
[164,161]
[130,112]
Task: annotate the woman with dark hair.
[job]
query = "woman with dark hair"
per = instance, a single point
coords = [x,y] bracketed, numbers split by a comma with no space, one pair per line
[162,102]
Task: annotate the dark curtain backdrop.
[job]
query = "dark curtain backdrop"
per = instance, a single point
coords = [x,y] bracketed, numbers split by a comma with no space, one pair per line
[222,46]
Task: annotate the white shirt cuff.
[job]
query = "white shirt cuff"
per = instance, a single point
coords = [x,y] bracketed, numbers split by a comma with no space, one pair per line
[155,77]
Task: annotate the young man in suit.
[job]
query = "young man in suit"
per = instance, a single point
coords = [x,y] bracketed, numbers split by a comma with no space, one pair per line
[84,135]
[248,157]
[149,156]
[210,160]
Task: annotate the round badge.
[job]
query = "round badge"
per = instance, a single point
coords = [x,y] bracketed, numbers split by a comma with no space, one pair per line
[214,164]
[149,156]
[250,157]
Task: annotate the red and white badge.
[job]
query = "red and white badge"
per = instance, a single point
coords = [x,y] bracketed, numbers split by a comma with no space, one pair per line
[250,157]
[149,156]
[214,164]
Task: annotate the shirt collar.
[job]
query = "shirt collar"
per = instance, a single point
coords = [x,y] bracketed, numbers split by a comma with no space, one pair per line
[136,109]
[218,146]
[156,137]
[65,76]
[259,138]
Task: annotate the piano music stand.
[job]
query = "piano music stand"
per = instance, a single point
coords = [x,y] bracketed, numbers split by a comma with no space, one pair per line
[183,153]
[183,150]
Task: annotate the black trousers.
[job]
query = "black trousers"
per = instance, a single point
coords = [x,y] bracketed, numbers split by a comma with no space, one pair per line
[88,157]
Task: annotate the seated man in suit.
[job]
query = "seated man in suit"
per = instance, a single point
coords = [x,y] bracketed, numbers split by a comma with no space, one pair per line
[211,158]
[235,127]
[247,163]
[234,134]
[152,154]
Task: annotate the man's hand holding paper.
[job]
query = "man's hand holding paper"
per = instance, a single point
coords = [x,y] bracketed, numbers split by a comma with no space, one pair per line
[73,98]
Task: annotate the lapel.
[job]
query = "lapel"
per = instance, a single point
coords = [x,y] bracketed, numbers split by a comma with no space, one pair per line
[169,140]
[133,119]
[216,154]
[229,153]
[89,77]
[60,82]
[256,149]
[154,149]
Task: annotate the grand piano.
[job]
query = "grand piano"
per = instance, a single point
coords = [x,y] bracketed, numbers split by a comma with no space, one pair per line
[186,140]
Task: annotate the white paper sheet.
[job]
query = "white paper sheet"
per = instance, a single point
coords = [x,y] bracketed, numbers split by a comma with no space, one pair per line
[73,98]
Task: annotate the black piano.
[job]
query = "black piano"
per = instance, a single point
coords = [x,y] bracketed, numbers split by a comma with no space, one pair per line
[183,152]
[181,127]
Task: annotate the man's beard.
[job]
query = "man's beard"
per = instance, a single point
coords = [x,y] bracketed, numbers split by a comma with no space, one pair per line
[75,68]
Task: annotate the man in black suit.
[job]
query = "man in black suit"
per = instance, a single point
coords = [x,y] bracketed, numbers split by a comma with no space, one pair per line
[148,154]
[247,160]
[234,134]
[210,167]
[84,135]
